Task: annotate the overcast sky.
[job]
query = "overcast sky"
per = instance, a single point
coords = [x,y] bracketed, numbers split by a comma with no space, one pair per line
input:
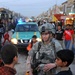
[29,7]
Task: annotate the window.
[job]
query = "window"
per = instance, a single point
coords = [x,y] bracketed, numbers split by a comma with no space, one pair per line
[26,28]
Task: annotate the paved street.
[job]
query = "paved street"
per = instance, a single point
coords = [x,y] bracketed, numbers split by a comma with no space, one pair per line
[20,67]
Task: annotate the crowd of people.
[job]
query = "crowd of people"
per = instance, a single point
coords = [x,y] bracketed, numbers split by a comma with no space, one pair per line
[44,56]
[66,37]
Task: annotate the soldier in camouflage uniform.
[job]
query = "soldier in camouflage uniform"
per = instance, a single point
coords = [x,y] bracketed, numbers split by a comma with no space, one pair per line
[46,53]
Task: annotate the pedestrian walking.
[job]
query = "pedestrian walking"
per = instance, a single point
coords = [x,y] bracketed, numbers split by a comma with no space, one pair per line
[59,34]
[68,37]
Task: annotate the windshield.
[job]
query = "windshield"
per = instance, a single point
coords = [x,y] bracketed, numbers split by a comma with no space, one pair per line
[26,28]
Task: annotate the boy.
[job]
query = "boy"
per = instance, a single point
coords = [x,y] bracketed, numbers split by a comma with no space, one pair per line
[10,58]
[33,41]
[63,60]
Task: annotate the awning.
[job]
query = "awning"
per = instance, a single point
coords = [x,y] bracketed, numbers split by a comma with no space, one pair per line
[57,17]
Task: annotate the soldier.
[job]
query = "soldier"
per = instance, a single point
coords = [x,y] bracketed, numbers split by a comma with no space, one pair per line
[44,52]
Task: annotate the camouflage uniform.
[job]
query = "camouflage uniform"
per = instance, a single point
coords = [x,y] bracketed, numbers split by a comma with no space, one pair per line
[49,54]
[49,51]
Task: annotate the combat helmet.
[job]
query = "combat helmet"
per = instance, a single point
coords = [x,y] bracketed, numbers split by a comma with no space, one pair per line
[47,27]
